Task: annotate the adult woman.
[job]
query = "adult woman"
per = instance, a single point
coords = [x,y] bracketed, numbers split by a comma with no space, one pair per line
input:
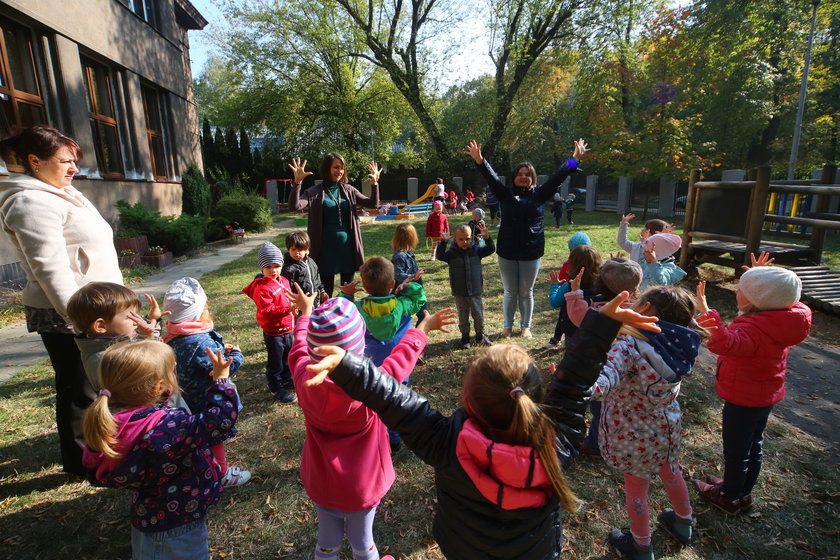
[63,243]
[334,232]
[440,191]
[521,241]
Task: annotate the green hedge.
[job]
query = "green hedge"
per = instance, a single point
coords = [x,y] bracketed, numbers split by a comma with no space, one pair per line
[252,212]
[180,235]
[195,193]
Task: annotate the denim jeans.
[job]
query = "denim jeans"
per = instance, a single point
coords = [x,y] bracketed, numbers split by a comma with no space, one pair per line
[518,278]
[187,542]
[277,371]
[743,436]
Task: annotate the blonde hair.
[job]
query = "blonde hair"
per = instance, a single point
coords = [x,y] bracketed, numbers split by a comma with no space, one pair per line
[131,374]
[405,238]
[518,419]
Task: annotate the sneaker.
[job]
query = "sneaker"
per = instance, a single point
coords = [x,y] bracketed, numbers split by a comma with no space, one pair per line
[464,344]
[285,397]
[626,546]
[526,333]
[482,340]
[388,557]
[586,450]
[551,344]
[746,502]
[678,527]
[505,333]
[712,494]
[235,477]
[289,386]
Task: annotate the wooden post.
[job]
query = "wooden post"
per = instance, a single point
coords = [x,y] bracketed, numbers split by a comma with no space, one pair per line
[690,219]
[818,234]
[755,219]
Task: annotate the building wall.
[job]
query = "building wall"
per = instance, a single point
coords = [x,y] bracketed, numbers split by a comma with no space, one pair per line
[107,32]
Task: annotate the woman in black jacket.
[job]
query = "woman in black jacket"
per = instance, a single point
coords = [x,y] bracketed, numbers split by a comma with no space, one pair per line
[503,429]
[521,241]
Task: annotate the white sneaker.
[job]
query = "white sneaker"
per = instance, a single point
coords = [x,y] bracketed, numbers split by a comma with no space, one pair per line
[235,477]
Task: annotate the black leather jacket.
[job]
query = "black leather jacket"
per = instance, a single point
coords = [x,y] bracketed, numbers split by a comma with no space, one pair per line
[468,526]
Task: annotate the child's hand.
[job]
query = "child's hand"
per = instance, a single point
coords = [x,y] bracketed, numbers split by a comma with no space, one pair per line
[763,259]
[332,357]
[221,365]
[625,219]
[650,254]
[154,309]
[299,170]
[554,277]
[304,302]
[145,329]
[444,235]
[574,283]
[417,275]
[702,304]
[613,310]
[350,288]
[552,368]
[669,228]
[474,151]
[403,285]
[324,297]
[618,255]
[231,348]
[707,322]
[437,321]
[482,229]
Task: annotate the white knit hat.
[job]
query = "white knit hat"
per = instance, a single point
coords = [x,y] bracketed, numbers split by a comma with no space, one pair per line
[770,287]
[186,299]
[665,244]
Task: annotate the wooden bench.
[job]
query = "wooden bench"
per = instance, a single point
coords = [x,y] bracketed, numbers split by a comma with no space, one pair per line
[820,287]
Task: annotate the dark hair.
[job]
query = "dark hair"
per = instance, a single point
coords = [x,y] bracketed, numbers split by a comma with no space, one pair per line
[377,275]
[671,303]
[531,171]
[655,225]
[99,300]
[588,258]
[298,240]
[439,181]
[326,164]
[41,141]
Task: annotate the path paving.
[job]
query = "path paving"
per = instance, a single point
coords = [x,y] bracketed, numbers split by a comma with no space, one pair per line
[20,349]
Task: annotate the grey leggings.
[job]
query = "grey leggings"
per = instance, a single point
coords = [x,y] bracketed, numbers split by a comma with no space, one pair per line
[358,525]
[518,279]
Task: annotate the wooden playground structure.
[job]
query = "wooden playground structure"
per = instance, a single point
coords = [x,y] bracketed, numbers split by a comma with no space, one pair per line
[730,217]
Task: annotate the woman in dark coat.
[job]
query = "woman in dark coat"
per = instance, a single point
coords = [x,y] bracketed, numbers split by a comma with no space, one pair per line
[334,232]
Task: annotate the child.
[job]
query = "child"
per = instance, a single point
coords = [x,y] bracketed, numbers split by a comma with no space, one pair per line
[569,203]
[640,429]
[469,198]
[466,280]
[276,318]
[453,202]
[162,454]
[635,249]
[440,191]
[346,464]
[585,256]
[387,317]
[658,265]
[750,377]
[436,224]
[476,221]
[405,264]
[499,483]
[190,332]
[298,267]
[557,208]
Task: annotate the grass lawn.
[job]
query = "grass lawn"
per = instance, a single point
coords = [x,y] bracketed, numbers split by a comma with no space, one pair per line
[44,516]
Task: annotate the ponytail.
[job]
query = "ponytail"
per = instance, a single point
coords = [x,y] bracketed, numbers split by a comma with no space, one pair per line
[100,428]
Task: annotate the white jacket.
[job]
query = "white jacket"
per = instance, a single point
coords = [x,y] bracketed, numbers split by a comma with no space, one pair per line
[61,240]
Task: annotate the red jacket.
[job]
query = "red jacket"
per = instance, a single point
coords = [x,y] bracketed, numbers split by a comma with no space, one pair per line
[753,353]
[274,312]
[436,224]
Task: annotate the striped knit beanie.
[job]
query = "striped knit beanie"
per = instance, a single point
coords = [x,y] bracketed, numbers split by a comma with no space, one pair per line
[269,254]
[336,323]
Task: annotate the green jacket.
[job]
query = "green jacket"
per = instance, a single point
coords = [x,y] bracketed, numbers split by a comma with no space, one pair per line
[384,314]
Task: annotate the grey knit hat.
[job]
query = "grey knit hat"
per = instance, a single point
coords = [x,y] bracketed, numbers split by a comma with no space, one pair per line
[770,287]
[269,254]
[620,274]
[478,213]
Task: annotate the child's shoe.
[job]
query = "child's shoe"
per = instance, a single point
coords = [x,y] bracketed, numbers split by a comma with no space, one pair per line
[482,340]
[465,343]
[235,477]
[285,397]
[679,528]
[626,546]
[746,502]
[289,386]
[712,494]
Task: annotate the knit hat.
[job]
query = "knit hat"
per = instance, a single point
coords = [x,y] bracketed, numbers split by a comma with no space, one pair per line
[336,323]
[269,254]
[620,274]
[186,299]
[578,239]
[558,197]
[478,213]
[438,204]
[665,244]
[770,287]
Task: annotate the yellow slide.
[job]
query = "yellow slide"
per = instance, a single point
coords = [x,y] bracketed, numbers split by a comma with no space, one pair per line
[429,193]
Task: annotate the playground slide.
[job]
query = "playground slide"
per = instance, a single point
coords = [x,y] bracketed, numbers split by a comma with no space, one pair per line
[429,193]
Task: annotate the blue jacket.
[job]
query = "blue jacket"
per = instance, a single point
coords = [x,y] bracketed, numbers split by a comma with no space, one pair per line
[405,265]
[660,273]
[194,367]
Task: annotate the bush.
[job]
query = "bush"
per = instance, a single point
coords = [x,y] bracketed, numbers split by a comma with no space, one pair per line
[252,212]
[135,219]
[216,229]
[195,193]
[179,235]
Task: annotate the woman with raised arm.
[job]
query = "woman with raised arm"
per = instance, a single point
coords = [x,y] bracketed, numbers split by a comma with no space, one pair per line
[521,240]
[334,232]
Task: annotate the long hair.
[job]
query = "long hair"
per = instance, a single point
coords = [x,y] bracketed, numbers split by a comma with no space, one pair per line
[135,374]
[588,258]
[519,419]
[326,164]
[40,141]
[405,238]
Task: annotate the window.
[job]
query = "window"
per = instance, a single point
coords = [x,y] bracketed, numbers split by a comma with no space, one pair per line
[154,103]
[146,9]
[103,117]
[21,95]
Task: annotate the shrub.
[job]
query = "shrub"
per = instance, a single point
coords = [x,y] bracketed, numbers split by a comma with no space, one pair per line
[195,193]
[251,211]
[135,219]
[180,235]
[215,229]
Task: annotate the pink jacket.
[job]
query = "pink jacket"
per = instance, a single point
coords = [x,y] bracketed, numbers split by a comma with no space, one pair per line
[753,351]
[346,460]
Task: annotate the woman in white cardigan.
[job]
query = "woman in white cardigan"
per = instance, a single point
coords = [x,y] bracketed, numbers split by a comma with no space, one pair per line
[63,243]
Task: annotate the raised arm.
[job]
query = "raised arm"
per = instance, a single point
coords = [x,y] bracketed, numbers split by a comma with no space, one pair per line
[300,173]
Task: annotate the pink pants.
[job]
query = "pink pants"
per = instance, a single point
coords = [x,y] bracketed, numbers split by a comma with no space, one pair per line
[636,495]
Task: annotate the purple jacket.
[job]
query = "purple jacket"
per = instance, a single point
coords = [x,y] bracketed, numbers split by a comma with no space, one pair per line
[166,459]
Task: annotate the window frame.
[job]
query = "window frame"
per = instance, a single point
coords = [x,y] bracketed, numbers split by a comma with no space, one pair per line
[147,91]
[96,117]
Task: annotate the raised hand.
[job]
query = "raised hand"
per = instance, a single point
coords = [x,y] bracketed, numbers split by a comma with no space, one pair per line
[299,170]
[375,171]
[614,310]
[763,259]
[625,218]
[702,304]
[669,228]
[580,149]
[554,277]
[350,288]
[221,365]
[574,283]
[332,356]
[437,321]
[618,255]
[482,229]
[304,302]
[474,151]
[145,329]
[154,309]
[650,254]
[707,322]
[445,235]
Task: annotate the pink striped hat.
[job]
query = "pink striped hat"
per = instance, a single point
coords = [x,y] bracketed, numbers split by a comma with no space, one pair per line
[336,323]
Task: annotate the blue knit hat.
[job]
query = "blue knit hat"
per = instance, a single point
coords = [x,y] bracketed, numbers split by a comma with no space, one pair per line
[578,239]
[336,323]
[269,254]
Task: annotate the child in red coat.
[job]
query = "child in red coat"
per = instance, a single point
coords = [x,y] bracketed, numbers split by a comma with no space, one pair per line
[436,224]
